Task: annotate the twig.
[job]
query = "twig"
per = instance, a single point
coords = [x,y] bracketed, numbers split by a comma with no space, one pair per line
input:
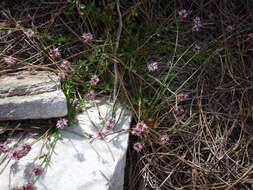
[116,71]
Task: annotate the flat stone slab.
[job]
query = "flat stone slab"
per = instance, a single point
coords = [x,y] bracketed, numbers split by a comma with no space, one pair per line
[77,162]
[31,96]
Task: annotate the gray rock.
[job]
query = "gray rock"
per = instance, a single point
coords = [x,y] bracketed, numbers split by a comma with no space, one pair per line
[31,96]
[77,162]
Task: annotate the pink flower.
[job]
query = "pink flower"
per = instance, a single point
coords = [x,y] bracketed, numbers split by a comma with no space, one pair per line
[54,52]
[90,95]
[4,148]
[17,154]
[152,66]
[61,123]
[196,48]
[94,80]
[109,127]
[29,33]
[196,24]
[182,96]
[26,148]
[110,124]
[164,138]
[61,75]
[9,60]
[111,120]
[37,171]
[27,186]
[183,13]
[136,132]
[87,37]
[65,64]
[137,147]
[18,25]
[178,110]
[139,129]
[142,126]
[101,134]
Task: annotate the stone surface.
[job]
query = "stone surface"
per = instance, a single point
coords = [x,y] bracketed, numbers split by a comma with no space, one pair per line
[27,83]
[77,162]
[31,96]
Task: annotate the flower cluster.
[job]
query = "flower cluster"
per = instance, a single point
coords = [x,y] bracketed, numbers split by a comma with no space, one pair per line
[164,138]
[65,64]
[18,25]
[9,60]
[90,95]
[17,154]
[182,13]
[94,80]
[61,123]
[182,97]
[196,48]
[37,171]
[61,75]
[55,52]
[4,148]
[139,129]
[27,186]
[101,134]
[110,124]
[152,66]
[196,24]
[29,33]
[137,147]
[87,36]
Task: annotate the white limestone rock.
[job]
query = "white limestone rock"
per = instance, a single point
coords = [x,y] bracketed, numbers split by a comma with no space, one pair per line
[78,162]
[31,96]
